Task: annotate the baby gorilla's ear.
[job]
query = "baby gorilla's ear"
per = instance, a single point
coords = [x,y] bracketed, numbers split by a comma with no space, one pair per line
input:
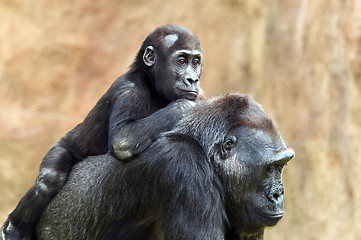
[149,56]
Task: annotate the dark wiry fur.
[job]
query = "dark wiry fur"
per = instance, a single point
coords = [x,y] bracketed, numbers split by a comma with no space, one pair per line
[171,191]
[126,119]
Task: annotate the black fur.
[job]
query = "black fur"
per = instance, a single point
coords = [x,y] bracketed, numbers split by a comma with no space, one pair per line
[140,104]
[191,183]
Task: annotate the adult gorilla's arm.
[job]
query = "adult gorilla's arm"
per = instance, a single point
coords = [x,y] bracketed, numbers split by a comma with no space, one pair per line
[186,192]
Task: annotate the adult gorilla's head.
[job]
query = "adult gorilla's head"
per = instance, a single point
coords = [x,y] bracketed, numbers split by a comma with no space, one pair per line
[249,155]
[171,58]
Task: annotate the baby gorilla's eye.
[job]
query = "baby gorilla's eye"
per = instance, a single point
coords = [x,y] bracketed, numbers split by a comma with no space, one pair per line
[196,62]
[182,61]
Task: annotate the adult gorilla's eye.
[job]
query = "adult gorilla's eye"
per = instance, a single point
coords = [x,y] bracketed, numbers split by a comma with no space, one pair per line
[269,169]
[229,143]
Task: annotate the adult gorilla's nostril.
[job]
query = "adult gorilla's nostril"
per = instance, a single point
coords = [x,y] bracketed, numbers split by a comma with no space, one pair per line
[276,195]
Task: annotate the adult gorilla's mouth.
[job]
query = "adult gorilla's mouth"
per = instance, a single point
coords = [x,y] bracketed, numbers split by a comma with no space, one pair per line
[274,215]
[271,219]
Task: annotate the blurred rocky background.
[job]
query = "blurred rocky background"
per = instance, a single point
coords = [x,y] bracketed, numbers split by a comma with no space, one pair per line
[300,59]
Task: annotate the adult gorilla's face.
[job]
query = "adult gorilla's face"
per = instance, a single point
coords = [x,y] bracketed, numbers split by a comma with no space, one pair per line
[251,162]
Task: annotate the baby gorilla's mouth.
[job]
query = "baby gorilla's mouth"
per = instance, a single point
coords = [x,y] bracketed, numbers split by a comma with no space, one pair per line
[189,94]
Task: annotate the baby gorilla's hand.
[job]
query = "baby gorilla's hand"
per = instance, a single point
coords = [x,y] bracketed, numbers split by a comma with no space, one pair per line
[182,106]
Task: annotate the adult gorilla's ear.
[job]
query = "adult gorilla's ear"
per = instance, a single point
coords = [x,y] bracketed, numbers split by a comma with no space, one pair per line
[227,145]
[149,56]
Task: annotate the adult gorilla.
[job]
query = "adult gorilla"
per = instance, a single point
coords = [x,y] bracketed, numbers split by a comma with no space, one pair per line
[140,104]
[217,175]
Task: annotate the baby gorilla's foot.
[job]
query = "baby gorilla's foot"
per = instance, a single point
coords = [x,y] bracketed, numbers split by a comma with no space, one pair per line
[10,232]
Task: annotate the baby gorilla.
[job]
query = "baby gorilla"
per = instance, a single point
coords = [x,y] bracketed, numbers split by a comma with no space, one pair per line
[216,176]
[147,100]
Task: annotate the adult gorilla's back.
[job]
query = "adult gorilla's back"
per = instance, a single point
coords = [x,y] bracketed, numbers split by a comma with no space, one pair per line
[88,202]
[142,199]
